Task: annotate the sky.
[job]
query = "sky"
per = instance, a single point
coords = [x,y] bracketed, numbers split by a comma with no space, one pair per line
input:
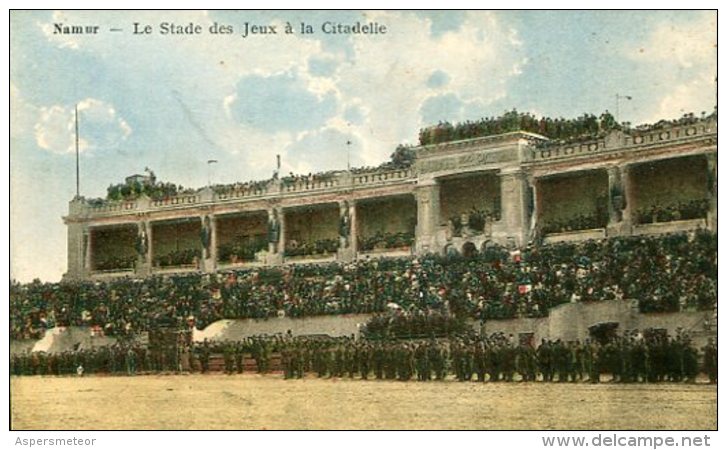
[173,102]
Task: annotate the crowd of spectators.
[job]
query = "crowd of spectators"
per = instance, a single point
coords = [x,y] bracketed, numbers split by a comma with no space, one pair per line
[510,121]
[386,240]
[234,252]
[178,258]
[558,130]
[578,222]
[474,220]
[684,210]
[327,246]
[115,263]
[410,324]
[663,273]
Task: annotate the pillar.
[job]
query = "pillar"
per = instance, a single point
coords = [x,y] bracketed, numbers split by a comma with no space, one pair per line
[144,262]
[88,250]
[209,254]
[533,206]
[276,244]
[628,206]
[347,230]
[712,191]
[515,220]
[76,255]
[354,227]
[617,202]
[428,217]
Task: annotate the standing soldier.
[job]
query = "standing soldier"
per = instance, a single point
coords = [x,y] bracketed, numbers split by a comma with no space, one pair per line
[286,360]
[240,357]
[391,354]
[378,360]
[205,357]
[364,360]
[710,360]
[594,362]
[228,354]
[638,360]
[420,356]
[545,360]
[130,361]
[350,359]
[438,359]
[479,360]
[339,360]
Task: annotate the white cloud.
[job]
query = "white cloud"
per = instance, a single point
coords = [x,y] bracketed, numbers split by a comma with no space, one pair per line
[681,59]
[389,75]
[100,127]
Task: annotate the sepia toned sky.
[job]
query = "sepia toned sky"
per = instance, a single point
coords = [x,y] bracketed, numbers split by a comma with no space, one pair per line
[172,102]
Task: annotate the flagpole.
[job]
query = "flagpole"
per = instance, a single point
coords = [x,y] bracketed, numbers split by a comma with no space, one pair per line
[78,189]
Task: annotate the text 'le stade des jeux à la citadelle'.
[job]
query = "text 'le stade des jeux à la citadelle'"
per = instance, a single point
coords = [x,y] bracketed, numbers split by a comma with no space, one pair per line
[246,29]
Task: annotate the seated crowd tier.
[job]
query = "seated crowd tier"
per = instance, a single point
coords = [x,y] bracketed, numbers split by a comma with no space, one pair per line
[665,273]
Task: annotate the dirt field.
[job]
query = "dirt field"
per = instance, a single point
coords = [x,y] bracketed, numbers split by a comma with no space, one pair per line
[216,402]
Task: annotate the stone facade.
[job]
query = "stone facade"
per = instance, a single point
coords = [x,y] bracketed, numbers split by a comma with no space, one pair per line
[521,166]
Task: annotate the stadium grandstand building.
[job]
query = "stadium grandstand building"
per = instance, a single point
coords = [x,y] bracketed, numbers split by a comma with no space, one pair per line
[460,197]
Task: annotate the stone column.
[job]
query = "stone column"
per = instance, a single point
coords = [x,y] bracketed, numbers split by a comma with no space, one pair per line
[354,227]
[143,248]
[150,250]
[209,253]
[88,250]
[628,206]
[346,231]
[428,219]
[712,191]
[76,256]
[533,205]
[616,201]
[276,235]
[515,225]
[76,228]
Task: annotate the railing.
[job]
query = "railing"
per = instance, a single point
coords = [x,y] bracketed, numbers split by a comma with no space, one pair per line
[188,199]
[381,177]
[568,150]
[634,138]
[272,188]
[673,133]
[112,207]
[243,193]
[308,185]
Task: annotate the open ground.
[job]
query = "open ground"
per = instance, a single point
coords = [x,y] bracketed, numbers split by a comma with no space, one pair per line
[250,401]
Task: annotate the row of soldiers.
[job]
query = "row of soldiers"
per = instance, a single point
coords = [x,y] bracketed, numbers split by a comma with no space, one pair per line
[628,358]
[115,359]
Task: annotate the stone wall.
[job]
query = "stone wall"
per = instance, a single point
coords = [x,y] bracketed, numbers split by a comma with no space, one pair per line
[339,325]
[571,321]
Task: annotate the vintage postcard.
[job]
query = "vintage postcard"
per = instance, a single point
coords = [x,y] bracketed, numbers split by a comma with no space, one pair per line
[364,220]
